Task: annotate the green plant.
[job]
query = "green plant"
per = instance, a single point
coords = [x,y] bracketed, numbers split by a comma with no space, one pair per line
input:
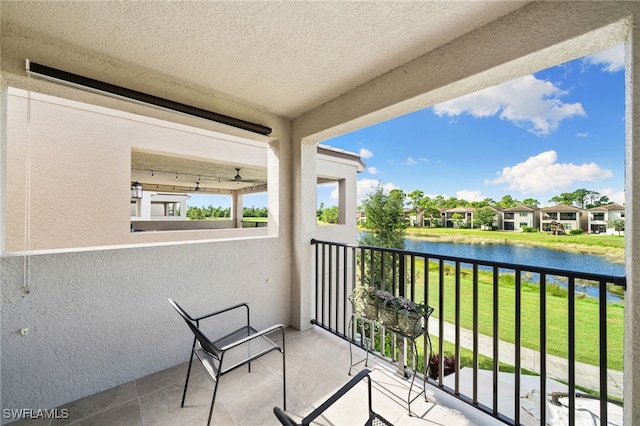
[387,308]
[577,231]
[411,317]
[365,301]
[449,366]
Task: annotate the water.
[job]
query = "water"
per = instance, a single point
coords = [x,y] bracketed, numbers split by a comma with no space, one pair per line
[521,255]
[525,255]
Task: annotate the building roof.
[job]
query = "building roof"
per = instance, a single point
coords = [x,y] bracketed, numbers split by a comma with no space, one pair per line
[608,207]
[561,208]
[521,208]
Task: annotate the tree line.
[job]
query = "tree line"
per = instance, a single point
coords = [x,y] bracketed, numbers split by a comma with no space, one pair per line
[386,224]
[211,212]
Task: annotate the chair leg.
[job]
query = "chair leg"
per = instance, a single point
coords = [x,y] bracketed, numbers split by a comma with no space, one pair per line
[213,400]
[186,383]
[284,376]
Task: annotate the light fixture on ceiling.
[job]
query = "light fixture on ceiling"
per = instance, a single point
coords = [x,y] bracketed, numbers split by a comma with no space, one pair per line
[197,187]
[136,190]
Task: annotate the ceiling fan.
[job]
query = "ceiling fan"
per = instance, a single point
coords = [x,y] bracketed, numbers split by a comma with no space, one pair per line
[238,178]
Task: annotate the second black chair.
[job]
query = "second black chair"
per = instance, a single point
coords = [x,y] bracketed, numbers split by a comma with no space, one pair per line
[231,351]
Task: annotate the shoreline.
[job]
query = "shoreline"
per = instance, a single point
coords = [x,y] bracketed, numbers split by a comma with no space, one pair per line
[613,254]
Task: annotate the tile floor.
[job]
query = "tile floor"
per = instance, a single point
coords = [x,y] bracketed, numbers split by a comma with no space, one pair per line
[317,365]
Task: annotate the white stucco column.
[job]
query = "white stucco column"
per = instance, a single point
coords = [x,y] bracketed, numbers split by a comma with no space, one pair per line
[236,208]
[3,162]
[632,231]
[304,229]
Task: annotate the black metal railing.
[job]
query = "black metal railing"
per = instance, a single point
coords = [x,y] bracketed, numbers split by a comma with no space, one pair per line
[435,279]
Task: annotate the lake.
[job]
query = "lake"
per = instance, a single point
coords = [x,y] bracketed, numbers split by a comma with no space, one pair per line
[525,255]
[520,254]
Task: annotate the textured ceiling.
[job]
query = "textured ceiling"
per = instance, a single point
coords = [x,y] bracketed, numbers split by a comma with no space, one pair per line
[179,174]
[285,57]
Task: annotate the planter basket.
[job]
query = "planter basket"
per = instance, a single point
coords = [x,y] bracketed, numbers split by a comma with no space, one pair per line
[388,316]
[410,323]
[366,308]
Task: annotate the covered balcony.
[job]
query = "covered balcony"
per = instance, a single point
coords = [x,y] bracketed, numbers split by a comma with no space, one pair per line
[255,86]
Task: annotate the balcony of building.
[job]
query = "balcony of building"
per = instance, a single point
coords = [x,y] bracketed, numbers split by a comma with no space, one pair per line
[317,365]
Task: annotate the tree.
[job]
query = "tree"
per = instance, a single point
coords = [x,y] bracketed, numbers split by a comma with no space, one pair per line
[616,224]
[457,218]
[320,210]
[432,215]
[508,201]
[417,205]
[330,215]
[531,202]
[484,216]
[385,219]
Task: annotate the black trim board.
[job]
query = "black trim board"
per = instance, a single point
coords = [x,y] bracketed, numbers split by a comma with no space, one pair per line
[122,92]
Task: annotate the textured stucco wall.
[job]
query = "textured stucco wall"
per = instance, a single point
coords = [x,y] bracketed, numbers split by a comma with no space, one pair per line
[632,228]
[76,159]
[97,319]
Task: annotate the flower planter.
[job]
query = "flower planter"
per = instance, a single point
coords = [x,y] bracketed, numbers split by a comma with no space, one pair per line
[396,313]
[410,323]
[388,316]
[366,308]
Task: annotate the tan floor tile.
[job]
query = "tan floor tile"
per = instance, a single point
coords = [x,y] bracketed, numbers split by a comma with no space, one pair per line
[126,414]
[98,403]
[162,408]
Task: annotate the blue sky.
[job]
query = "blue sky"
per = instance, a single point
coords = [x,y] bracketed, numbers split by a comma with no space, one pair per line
[554,131]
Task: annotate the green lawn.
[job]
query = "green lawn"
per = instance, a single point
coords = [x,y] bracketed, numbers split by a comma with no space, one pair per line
[587,329]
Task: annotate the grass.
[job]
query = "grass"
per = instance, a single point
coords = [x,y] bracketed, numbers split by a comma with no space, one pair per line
[587,322]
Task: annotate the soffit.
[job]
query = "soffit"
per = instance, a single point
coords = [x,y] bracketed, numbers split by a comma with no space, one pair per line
[283,57]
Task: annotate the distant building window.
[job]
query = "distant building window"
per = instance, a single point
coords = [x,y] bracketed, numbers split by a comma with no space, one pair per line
[524,214]
[523,224]
[598,216]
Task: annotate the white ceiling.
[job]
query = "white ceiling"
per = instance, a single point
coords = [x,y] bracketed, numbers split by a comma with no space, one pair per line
[174,174]
[287,57]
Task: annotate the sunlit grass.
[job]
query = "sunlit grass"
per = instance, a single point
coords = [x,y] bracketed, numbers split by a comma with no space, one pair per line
[586,314]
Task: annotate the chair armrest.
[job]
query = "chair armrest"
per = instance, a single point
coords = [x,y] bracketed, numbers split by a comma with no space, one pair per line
[221,311]
[254,336]
[339,394]
[284,419]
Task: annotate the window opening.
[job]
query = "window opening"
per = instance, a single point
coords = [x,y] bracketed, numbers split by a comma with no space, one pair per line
[183,193]
[328,213]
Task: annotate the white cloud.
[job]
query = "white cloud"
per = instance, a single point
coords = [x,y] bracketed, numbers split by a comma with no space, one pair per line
[615,196]
[542,173]
[470,195]
[526,102]
[373,170]
[612,60]
[410,162]
[365,153]
[582,135]
[367,186]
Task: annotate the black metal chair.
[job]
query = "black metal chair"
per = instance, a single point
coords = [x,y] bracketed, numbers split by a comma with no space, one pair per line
[373,420]
[231,351]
